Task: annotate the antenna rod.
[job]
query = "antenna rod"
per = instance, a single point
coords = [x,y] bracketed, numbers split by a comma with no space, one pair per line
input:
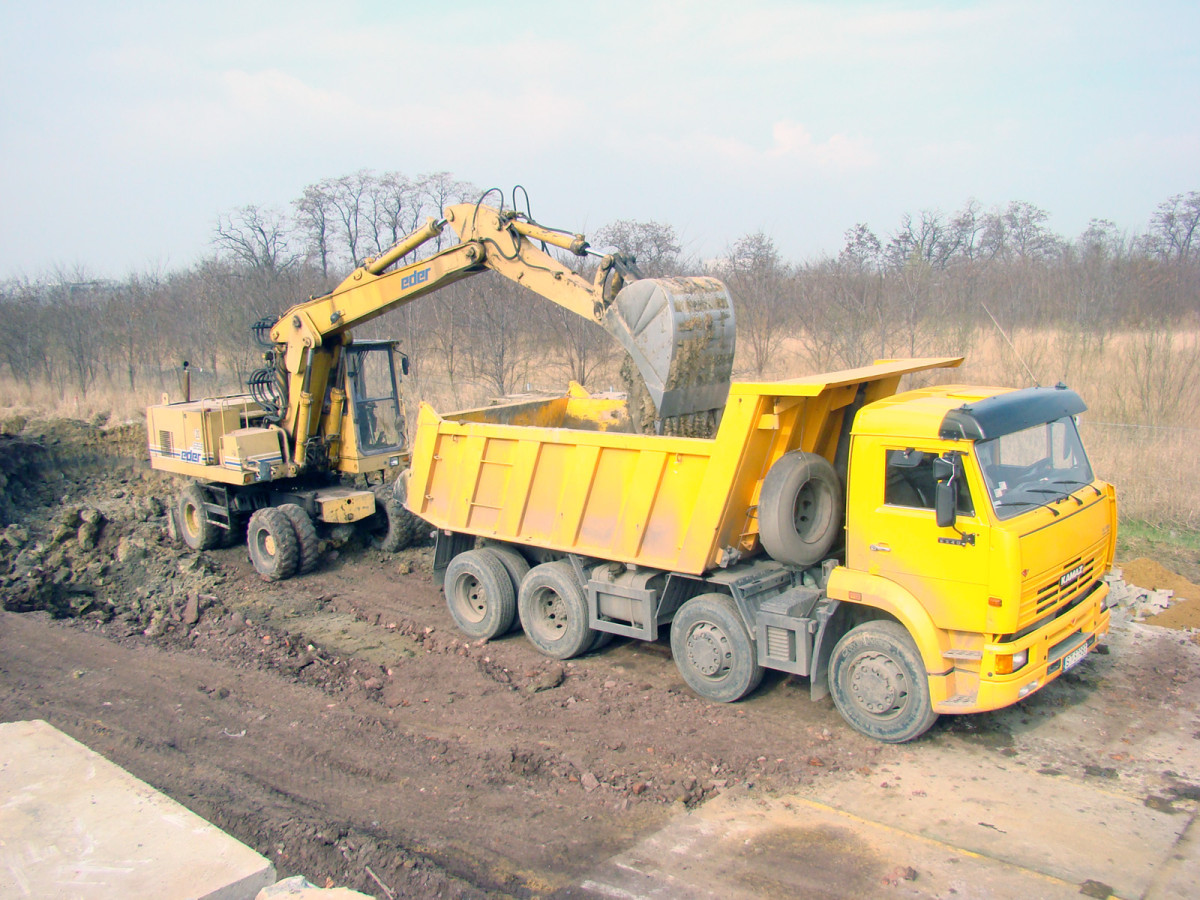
[1028,371]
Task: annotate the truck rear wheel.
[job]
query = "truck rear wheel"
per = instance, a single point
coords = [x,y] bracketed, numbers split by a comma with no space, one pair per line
[800,509]
[306,537]
[713,650]
[480,594]
[554,611]
[194,527]
[514,563]
[273,546]
[878,682]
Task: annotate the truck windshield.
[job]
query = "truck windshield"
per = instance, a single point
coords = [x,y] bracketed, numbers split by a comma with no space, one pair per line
[1034,467]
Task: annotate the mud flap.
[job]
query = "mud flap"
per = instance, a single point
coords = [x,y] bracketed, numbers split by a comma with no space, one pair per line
[827,637]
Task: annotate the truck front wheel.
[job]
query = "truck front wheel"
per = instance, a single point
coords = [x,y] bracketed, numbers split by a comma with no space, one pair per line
[480,595]
[878,682]
[713,650]
[554,611]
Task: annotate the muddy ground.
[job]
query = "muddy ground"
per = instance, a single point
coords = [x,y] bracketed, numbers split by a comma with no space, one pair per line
[338,724]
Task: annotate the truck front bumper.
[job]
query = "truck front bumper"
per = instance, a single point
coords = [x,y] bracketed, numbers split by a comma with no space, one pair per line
[1056,647]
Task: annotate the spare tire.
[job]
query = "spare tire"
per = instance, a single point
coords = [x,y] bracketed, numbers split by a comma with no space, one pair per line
[800,509]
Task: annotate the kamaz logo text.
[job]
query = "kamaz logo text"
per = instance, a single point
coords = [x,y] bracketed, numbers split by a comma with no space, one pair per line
[1071,576]
[414,279]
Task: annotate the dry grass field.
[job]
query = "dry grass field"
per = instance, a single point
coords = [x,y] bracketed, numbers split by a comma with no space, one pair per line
[1142,388]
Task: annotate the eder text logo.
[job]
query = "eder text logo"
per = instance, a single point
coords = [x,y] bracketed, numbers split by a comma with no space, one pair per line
[414,279]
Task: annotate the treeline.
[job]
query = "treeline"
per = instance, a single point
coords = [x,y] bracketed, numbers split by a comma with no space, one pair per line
[926,286]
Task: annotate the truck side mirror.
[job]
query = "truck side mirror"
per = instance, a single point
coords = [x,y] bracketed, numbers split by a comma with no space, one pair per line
[945,492]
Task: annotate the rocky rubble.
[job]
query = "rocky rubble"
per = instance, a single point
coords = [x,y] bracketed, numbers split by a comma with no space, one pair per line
[84,530]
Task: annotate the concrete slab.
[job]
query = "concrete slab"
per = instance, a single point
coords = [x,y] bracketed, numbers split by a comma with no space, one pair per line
[943,824]
[73,824]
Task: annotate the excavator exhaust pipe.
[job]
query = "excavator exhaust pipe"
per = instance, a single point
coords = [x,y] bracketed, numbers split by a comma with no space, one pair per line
[680,333]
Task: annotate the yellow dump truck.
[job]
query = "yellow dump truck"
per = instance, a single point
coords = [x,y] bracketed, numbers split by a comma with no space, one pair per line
[940,550]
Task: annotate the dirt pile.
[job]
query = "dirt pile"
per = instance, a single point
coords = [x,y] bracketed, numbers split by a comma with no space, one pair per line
[1184,610]
[84,528]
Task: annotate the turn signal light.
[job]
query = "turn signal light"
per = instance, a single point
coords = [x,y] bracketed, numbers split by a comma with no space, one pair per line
[1007,664]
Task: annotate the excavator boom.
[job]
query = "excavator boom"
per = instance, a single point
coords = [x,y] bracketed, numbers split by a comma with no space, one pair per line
[679,332]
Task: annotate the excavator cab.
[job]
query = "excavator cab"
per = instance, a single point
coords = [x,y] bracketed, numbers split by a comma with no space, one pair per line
[373,397]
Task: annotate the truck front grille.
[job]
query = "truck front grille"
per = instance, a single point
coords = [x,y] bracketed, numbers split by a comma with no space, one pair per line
[1075,578]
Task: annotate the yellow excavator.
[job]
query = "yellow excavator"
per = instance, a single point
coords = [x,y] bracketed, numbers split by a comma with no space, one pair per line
[325,406]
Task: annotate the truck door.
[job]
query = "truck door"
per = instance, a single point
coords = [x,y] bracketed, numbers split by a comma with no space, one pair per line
[892,532]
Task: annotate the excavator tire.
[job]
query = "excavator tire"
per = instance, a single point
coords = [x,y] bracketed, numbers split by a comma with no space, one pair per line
[306,537]
[194,527]
[274,549]
[397,528]
[800,509]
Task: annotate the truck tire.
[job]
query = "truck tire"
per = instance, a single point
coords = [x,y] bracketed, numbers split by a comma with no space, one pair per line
[800,509]
[514,563]
[878,682]
[394,526]
[194,527]
[480,594]
[554,612]
[274,549]
[713,650]
[306,537]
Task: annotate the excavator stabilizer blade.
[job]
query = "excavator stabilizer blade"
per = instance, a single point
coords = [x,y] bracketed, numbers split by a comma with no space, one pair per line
[680,334]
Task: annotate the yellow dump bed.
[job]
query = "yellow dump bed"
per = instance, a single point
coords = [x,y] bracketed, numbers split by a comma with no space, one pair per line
[560,474]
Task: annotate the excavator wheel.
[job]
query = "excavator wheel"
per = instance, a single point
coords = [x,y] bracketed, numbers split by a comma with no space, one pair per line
[194,527]
[274,549]
[306,537]
[394,526]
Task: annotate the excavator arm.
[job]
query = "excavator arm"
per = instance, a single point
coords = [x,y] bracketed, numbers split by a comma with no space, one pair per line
[679,332]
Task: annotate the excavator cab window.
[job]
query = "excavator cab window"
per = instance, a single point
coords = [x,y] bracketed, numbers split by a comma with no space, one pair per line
[372,390]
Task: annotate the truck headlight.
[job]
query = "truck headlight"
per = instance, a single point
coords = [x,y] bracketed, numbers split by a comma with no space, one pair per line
[1006,663]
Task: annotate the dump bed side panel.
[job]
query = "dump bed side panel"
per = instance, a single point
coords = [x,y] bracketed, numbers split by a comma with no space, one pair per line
[616,496]
[680,504]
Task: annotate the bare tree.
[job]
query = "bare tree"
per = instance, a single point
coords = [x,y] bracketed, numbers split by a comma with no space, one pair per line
[759,282]
[314,214]
[257,237]
[653,244]
[1174,227]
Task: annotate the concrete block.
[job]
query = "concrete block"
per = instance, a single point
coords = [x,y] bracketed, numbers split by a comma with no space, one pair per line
[73,824]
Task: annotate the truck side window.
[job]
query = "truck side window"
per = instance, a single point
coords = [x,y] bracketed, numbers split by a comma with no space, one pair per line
[909,482]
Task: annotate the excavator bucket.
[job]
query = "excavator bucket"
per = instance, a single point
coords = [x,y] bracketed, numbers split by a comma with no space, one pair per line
[680,334]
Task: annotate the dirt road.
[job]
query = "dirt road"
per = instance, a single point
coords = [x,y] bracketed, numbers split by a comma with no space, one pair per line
[339,725]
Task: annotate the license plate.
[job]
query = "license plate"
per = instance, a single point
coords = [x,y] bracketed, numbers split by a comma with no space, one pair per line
[1072,659]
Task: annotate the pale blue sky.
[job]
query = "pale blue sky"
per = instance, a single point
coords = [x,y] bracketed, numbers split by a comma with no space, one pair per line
[125,129]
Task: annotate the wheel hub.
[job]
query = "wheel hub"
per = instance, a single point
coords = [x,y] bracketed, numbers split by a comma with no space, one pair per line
[708,650]
[552,618]
[878,684]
